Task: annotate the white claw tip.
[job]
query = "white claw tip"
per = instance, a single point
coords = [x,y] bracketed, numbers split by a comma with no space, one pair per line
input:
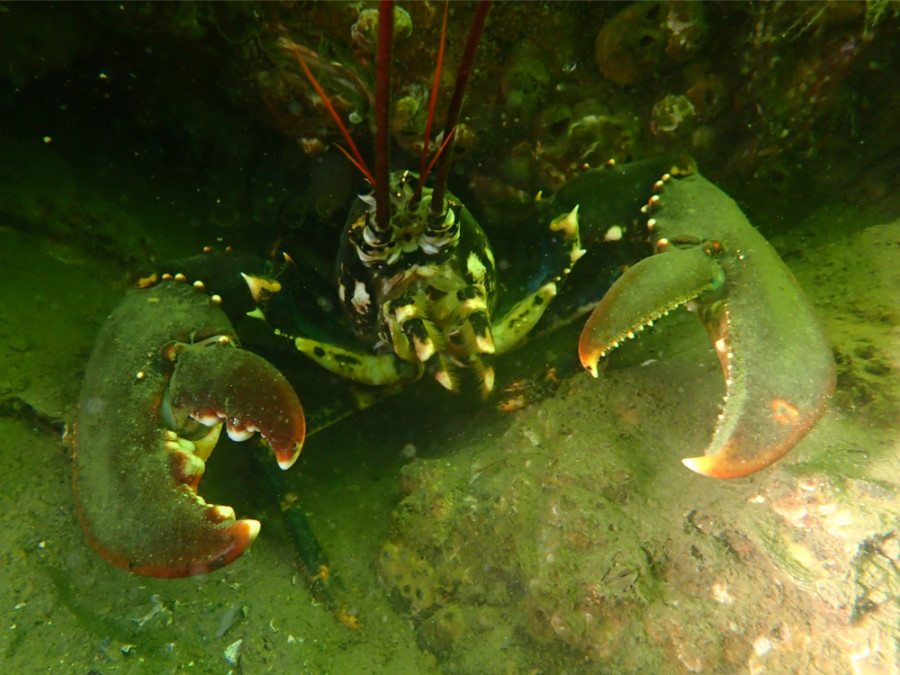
[237,434]
[286,464]
[252,529]
[701,465]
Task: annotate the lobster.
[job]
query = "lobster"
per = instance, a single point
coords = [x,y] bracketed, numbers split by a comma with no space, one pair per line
[417,282]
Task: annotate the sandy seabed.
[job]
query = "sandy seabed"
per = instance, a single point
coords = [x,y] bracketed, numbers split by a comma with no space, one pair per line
[565,537]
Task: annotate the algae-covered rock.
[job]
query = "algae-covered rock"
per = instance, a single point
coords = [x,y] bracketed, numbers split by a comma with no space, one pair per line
[410,576]
[648,38]
[672,117]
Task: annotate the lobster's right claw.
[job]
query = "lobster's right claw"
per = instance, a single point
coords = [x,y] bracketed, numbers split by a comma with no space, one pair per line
[778,367]
[164,376]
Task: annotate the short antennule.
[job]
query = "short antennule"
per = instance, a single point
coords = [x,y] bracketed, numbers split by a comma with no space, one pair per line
[356,157]
[442,170]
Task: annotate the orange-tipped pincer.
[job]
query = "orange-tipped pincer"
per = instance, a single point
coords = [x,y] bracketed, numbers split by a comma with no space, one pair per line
[589,352]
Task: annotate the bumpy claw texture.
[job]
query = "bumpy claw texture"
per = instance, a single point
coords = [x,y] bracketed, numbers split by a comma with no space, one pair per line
[778,366]
[164,375]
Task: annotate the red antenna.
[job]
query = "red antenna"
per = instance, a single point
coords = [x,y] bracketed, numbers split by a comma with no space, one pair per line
[432,100]
[380,180]
[442,173]
[383,116]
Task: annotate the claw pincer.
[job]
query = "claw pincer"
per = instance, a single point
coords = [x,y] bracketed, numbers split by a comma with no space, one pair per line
[777,363]
[164,375]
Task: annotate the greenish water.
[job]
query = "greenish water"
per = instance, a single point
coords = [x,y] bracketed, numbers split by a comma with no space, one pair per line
[562,537]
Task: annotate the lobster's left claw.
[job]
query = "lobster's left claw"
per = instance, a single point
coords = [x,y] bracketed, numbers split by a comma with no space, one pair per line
[164,377]
[778,367]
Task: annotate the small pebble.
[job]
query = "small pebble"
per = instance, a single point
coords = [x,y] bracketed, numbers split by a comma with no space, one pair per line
[232,652]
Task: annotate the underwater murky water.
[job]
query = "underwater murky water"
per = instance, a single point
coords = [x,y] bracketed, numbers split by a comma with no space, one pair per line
[551,526]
